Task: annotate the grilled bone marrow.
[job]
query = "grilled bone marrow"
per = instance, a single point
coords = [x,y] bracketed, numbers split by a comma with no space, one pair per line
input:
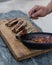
[25,30]
[12,19]
[19,26]
[12,22]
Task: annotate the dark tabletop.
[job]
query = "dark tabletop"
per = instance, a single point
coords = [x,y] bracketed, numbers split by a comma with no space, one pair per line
[6,58]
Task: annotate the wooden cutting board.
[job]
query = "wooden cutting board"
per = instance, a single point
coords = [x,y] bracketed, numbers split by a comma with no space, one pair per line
[16,47]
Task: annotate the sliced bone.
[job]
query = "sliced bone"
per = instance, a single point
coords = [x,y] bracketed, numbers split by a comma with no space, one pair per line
[18,26]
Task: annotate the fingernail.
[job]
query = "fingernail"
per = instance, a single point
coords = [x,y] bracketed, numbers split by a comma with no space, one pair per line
[33,15]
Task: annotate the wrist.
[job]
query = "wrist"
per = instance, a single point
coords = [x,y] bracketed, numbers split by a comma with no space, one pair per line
[49,10]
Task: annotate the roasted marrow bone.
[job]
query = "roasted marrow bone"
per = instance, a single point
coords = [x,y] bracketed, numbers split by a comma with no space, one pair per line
[12,22]
[25,30]
[19,26]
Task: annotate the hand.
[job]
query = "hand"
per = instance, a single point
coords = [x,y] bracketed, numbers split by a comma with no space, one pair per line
[38,11]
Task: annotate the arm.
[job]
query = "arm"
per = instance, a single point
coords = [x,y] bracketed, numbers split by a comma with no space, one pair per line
[49,7]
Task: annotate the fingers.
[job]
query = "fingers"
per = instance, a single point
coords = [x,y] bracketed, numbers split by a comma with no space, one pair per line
[36,15]
[33,10]
[38,11]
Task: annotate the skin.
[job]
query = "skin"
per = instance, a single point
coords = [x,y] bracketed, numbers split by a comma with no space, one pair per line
[40,11]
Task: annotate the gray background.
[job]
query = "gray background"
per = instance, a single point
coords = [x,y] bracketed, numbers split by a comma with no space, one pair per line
[3,0]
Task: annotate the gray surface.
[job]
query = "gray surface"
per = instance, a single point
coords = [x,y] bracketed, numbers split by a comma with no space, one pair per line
[3,0]
[6,58]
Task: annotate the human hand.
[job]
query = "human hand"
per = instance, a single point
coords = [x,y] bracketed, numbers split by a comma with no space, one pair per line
[38,11]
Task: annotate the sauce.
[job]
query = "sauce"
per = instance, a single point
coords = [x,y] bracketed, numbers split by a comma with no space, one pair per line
[41,39]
